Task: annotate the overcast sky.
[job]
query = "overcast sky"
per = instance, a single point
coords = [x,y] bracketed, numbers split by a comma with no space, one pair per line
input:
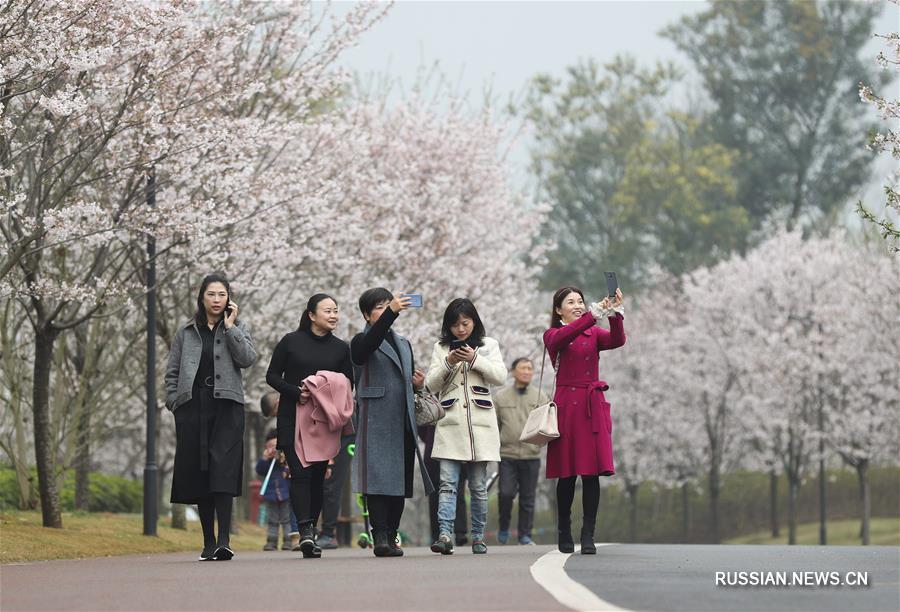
[504,44]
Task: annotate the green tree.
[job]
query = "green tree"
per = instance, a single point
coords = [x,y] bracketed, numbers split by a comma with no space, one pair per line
[632,187]
[783,78]
[679,186]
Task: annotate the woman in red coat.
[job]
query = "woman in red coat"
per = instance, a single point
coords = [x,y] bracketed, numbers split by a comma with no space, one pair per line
[584,446]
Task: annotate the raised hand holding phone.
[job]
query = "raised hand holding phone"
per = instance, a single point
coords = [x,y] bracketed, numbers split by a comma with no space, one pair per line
[612,284]
[230,317]
[400,302]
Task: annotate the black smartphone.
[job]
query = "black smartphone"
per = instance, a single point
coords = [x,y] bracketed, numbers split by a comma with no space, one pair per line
[457,344]
[612,284]
[228,307]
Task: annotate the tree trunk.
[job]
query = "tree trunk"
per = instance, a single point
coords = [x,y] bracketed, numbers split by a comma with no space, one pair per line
[82,423]
[714,486]
[823,482]
[793,488]
[773,503]
[43,445]
[632,512]
[179,516]
[27,500]
[685,512]
[862,472]
[83,461]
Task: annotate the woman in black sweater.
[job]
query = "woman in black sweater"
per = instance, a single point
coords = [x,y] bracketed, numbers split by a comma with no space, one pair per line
[299,354]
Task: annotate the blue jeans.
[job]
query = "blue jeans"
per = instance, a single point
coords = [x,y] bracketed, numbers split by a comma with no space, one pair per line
[477,490]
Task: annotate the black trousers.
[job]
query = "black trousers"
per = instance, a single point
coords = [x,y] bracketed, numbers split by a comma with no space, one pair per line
[306,487]
[518,476]
[331,506]
[385,511]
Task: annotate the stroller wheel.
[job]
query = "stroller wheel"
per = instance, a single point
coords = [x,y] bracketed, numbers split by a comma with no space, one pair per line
[364,540]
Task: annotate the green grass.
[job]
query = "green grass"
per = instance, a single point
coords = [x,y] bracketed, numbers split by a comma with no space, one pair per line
[22,538]
[882,532]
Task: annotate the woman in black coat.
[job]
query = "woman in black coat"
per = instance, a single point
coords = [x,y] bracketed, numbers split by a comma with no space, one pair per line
[205,391]
[299,354]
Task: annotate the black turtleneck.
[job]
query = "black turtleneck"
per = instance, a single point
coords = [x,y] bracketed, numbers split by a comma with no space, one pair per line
[298,355]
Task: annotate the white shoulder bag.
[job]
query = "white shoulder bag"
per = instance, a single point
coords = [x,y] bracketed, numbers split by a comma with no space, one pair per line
[541,426]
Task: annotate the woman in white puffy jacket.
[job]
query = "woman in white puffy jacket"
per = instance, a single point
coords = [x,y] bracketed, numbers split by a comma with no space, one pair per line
[464,364]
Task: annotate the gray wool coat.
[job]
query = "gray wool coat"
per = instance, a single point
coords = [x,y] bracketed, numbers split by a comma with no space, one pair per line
[384,395]
[234,350]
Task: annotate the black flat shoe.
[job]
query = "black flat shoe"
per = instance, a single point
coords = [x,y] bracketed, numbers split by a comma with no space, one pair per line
[208,554]
[223,553]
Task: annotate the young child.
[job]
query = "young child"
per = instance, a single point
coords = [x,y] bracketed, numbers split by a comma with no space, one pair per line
[276,498]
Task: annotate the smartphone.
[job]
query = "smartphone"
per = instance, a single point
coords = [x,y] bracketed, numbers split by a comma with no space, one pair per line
[228,310]
[415,300]
[457,344]
[612,284]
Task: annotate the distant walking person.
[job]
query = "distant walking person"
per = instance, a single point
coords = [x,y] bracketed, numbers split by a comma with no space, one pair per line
[386,447]
[205,391]
[303,362]
[520,462]
[584,446]
[463,365]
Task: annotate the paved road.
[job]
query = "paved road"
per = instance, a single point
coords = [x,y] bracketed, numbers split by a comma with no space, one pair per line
[344,579]
[636,577]
[668,577]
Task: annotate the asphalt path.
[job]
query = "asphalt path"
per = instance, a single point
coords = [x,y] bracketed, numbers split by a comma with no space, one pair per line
[343,579]
[671,577]
[626,577]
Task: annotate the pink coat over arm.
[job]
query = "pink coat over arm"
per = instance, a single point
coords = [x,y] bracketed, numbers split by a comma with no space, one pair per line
[323,419]
[584,446]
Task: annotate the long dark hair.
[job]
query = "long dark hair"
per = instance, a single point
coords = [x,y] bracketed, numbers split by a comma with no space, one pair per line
[215,277]
[558,297]
[311,305]
[462,306]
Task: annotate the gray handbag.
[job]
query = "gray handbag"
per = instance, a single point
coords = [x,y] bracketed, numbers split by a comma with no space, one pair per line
[542,425]
[428,408]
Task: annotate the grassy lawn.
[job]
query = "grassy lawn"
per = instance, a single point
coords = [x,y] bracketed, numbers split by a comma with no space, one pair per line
[104,535]
[882,532]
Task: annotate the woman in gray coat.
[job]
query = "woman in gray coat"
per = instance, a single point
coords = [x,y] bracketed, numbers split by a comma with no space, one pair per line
[386,446]
[205,391]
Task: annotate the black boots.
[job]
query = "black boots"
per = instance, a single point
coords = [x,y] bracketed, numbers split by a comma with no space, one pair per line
[386,543]
[564,541]
[308,542]
[587,537]
[396,551]
[382,543]
[566,545]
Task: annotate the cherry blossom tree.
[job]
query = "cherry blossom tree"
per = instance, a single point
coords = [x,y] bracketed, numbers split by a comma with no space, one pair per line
[647,442]
[803,300]
[886,142]
[863,385]
[96,95]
